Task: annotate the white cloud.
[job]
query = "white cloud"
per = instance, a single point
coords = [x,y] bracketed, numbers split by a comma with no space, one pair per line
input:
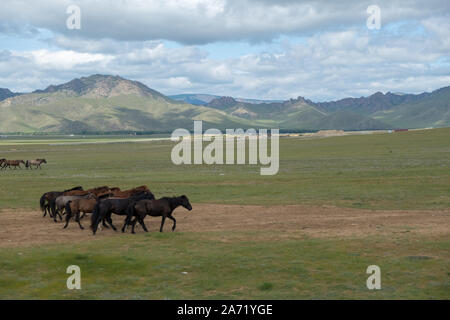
[336,56]
[204,21]
[62,60]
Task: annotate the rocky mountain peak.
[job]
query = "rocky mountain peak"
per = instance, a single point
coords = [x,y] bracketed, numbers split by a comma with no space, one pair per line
[102,86]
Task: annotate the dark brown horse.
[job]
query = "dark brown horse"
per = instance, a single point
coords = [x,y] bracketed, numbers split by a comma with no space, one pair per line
[105,208]
[163,207]
[14,163]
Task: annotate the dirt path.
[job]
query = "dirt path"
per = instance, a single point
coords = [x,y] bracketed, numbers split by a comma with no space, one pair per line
[24,228]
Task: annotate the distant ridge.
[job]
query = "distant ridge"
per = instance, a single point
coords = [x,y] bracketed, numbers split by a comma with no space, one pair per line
[107,103]
[204,99]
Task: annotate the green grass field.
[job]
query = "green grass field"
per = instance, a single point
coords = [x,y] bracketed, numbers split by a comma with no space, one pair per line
[408,170]
[391,171]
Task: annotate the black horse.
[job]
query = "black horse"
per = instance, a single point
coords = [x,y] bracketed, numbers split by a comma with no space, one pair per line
[163,207]
[104,208]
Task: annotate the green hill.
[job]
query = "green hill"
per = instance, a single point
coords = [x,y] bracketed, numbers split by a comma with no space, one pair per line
[433,110]
[105,103]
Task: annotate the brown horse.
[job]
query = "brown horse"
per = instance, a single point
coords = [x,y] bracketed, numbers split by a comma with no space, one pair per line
[14,163]
[37,163]
[84,205]
[131,192]
[163,207]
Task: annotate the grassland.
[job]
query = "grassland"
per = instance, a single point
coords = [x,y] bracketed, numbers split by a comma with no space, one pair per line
[387,171]
[391,171]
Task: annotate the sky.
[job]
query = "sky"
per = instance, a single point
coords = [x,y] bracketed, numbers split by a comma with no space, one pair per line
[321,50]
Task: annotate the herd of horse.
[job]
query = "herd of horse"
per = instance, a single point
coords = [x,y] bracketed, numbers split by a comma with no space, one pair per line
[16,164]
[101,202]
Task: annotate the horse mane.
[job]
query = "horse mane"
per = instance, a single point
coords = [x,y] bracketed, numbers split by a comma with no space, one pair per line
[74,188]
[142,194]
[173,201]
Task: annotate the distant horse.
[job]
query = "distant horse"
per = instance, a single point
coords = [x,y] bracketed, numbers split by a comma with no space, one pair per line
[47,201]
[163,207]
[14,163]
[37,163]
[104,208]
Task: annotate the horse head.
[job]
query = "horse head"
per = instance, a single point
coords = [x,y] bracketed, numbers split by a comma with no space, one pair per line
[184,201]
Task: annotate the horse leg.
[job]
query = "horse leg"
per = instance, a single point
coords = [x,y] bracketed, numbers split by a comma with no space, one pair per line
[104,224]
[77,218]
[50,209]
[162,223]
[133,224]
[54,212]
[141,221]
[125,225]
[174,221]
[60,214]
[109,220]
[68,216]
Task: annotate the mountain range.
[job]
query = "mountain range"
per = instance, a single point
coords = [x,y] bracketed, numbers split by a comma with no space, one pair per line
[204,99]
[105,103]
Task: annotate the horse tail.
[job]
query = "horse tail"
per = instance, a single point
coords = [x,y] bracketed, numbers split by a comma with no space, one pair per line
[95,214]
[68,209]
[131,210]
[42,202]
[130,213]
